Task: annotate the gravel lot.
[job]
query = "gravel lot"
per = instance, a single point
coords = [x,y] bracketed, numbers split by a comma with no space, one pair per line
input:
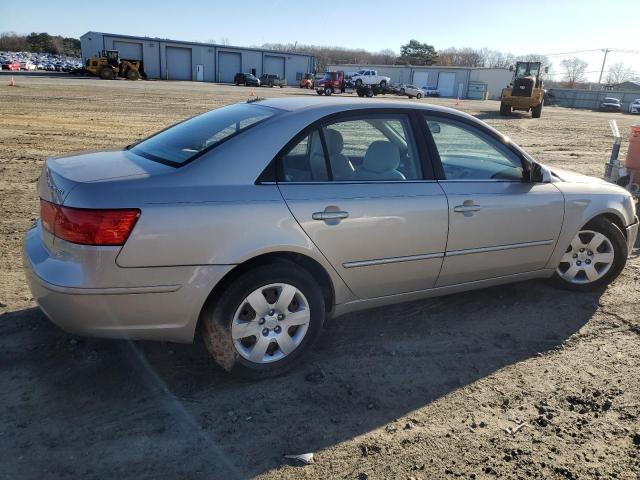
[520,381]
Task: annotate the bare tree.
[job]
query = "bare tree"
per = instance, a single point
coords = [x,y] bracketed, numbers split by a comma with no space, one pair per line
[619,73]
[460,57]
[574,69]
[496,58]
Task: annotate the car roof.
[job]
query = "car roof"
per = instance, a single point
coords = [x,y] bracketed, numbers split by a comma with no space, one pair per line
[336,104]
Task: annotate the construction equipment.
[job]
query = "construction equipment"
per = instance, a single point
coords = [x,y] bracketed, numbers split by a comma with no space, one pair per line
[525,92]
[108,65]
[625,174]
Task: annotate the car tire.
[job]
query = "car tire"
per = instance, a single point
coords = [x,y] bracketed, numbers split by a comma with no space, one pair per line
[419,96]
[369,93]
[359,82]
[319,92]
[328,92]
[536,111]
[383,83]
[504,109]
[613,244]
[221,321]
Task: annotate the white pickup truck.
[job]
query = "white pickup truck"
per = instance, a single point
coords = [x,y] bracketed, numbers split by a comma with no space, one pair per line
[369,77]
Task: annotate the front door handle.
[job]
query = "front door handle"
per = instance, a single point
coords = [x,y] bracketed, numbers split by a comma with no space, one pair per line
[467,208]
[330,215]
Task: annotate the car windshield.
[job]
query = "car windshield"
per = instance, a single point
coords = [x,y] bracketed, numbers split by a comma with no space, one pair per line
[185,141]
[527,69]
[611,100]
[330,76]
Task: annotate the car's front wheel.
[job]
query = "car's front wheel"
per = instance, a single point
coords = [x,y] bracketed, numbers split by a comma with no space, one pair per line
[595,257]
[264,320]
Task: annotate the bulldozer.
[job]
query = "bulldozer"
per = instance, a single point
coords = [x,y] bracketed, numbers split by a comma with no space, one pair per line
[108,65]
[525,92]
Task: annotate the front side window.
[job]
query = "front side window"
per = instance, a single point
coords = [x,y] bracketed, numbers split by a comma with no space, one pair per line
[181,143]
[468,154]
[373,148]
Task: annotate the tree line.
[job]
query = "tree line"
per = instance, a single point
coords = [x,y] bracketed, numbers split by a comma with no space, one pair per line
[39,43]
[412,53]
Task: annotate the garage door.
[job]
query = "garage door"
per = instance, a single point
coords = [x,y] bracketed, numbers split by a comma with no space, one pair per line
[229,63]
[129,50]
[446,84]
[421,79]
[178,63]
[273,65]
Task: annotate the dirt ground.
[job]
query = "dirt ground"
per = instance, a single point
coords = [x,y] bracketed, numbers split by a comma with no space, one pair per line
[519,381]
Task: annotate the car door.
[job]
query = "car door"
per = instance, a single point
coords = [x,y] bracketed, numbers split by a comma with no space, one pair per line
[356,186]
[499,224]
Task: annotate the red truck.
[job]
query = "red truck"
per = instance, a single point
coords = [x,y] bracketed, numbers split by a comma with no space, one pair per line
[331,82]
[13,66]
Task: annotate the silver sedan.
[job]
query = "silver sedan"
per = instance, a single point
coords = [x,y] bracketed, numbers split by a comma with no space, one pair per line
[254,222]
[410,91]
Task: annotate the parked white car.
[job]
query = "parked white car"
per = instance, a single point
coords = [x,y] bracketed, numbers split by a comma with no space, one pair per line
[430,91]
[634,107]
[410,91]
[27,66]
[369,77]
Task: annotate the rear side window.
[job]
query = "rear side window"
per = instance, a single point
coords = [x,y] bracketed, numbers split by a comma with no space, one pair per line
[185,141]
[376,147]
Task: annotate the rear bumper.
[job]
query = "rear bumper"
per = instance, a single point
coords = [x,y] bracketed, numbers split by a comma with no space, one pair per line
[148,303]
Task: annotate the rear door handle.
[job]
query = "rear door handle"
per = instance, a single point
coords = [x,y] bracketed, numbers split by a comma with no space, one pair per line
[467,208]
[330,215]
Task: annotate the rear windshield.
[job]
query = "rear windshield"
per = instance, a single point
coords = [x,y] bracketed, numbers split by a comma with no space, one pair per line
[187,140]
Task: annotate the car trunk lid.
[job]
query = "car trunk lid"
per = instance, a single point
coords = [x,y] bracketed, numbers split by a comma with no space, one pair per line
[61,175]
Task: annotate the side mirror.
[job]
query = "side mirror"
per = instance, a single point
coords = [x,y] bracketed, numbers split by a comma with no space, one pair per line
[434,127]
[535,173]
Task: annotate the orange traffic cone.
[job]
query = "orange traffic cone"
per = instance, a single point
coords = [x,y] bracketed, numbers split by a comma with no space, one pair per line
[12,83]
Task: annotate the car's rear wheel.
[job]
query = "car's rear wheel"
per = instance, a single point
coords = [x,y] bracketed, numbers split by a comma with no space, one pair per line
[264,321]
[419,96]
[595,257]
[328,91]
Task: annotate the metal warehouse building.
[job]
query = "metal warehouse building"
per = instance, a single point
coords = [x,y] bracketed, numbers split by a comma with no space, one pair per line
[462,82]
[204,62]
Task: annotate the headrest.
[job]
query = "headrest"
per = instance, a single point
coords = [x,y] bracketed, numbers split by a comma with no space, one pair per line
[334,141]
[381,156]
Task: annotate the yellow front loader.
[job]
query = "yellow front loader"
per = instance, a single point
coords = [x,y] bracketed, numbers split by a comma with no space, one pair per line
[525,92]
[109,65]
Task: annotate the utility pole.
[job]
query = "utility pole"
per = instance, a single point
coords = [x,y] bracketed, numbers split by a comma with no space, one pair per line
[606,50]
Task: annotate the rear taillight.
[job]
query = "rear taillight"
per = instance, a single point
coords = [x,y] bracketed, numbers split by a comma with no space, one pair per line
[88,226]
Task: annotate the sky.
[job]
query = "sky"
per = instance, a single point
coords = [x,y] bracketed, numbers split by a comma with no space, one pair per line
[547,27]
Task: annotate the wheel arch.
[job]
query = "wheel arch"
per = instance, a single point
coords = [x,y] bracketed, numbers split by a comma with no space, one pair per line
[612,216]
[312,266]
